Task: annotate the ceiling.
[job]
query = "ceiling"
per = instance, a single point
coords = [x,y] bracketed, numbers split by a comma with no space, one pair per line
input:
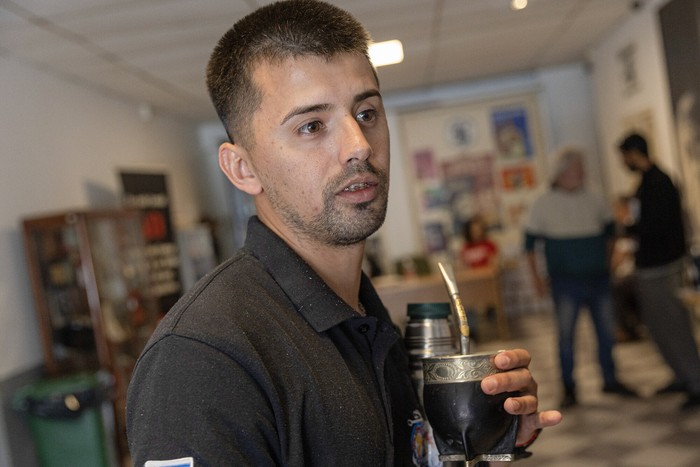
[154,52]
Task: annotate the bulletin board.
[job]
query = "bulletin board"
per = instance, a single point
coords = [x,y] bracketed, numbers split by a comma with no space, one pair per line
[474,158]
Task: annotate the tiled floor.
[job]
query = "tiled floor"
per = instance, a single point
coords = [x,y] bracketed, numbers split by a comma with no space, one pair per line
[606,430]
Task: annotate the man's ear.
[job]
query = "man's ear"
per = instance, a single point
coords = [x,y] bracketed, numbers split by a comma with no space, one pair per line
[234,162]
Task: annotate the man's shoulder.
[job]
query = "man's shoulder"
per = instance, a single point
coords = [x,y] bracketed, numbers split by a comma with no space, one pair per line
[221,303]
[656,175]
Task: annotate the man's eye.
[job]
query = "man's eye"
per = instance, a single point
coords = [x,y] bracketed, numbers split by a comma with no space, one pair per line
[311,127]
[367,115]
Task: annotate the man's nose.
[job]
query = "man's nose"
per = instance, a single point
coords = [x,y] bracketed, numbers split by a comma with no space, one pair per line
[354,143]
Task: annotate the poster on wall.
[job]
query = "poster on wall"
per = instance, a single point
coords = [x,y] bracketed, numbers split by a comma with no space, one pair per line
[680,27]
[435,196]
[424,164]
[462,131]
[511,133]
[517,178]
[469,182]
[435,238]
[627,62]
[148,192]
[465,160]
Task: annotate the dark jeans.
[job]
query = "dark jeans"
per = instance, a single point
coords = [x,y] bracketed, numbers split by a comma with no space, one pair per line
[569,296]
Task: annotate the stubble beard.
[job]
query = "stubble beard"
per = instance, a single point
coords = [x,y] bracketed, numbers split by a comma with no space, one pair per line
[338,226]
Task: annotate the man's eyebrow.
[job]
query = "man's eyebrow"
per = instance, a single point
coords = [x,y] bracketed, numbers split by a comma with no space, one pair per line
[367,94]
[304,109]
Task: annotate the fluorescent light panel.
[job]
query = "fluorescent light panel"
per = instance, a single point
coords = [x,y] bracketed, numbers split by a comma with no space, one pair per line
[386,53]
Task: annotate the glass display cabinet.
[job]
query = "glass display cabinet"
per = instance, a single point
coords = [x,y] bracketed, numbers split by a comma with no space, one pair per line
[90,280]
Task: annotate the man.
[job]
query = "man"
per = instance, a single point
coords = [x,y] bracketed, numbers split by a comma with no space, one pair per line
[285,355]
[659,259]
[575,226]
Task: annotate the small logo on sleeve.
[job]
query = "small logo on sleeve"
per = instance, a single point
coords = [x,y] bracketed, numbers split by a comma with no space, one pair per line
[425,453]
[182,462]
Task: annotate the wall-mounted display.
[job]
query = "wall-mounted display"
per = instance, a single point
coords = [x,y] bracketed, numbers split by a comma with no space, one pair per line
[149,193]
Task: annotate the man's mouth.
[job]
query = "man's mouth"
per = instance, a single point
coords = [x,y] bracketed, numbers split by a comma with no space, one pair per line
[357,187]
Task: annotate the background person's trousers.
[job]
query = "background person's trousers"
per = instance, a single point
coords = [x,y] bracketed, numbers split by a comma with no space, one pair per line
[668,321]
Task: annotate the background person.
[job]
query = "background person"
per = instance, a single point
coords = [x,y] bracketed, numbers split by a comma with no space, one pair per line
[660,262]
[284,354]
[478,250]
[575,227]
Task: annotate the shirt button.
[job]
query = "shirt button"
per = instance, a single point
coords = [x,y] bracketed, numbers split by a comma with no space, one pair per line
[363,328]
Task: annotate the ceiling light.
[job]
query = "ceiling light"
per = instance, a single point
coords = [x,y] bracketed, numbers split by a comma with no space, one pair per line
[518,4]
[386,53]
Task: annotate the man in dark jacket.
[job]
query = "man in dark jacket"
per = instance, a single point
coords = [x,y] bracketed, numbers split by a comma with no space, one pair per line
[658,226]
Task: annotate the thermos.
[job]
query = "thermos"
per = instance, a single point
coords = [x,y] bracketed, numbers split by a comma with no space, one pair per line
[428,334]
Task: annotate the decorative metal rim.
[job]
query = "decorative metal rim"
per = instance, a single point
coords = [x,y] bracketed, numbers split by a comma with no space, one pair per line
[479,458]
[458,368]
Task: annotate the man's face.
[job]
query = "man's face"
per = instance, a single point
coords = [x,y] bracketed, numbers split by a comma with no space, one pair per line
[629,158]
[321,150]
[573,177]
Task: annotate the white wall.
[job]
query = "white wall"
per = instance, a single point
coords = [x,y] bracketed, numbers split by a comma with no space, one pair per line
[56,140]
[616,106]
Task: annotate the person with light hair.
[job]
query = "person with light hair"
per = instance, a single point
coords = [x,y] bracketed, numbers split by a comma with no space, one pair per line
[575,227]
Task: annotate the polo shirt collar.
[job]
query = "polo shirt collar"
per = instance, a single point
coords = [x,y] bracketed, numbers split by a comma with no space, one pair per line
[314,300]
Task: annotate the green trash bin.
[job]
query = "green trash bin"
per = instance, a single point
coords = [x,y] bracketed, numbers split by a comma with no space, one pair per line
[65,420]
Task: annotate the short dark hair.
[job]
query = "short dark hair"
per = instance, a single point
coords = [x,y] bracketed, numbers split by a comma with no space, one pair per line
[273,33]
[467,228]
[634,141]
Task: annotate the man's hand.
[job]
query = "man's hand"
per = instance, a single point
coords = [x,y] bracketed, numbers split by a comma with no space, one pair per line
[516,377]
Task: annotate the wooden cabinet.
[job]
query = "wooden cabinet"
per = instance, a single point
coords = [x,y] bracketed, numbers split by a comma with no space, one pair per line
[90,282]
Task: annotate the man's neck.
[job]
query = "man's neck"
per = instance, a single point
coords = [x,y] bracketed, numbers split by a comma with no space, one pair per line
[644,164]
[339,267]
[646,167]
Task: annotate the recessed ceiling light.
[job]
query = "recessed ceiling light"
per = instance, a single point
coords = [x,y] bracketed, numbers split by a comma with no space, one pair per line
[386,53]
[518,4]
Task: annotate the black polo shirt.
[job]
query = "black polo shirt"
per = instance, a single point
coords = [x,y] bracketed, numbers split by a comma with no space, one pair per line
[262,364]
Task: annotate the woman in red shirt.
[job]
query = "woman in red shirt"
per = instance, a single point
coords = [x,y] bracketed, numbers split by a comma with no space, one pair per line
[478,251]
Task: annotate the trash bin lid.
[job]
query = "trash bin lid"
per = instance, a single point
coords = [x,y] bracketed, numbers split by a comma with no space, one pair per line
[60,386]
[59,397]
